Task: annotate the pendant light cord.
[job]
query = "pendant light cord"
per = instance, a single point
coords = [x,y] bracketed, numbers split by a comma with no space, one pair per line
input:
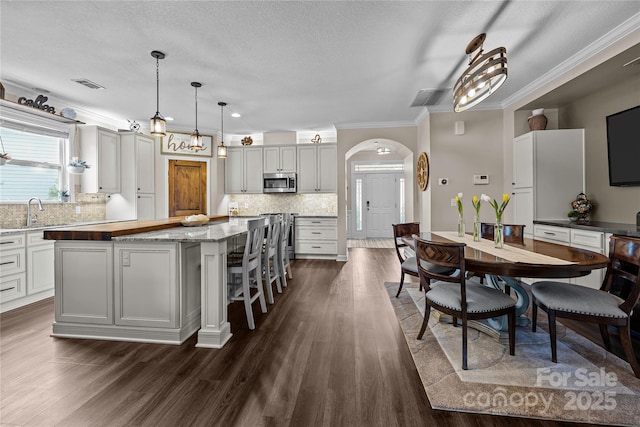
[196,109]
[157,85]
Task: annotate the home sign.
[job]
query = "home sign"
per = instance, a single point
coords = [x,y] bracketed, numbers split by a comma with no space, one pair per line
[38,103]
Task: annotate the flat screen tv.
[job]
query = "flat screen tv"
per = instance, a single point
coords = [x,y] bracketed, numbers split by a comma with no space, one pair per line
[623,146]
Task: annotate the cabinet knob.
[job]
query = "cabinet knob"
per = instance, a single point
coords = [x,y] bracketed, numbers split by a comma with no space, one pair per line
[100,188]
[138,197]
[138,188]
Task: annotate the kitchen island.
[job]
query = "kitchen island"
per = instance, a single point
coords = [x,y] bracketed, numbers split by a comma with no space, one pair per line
[132,284]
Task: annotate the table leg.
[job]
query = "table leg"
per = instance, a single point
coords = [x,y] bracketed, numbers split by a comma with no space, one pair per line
[522,302]
[215,329]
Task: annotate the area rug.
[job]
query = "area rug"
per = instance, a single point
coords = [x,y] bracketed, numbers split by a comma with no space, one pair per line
[588,384]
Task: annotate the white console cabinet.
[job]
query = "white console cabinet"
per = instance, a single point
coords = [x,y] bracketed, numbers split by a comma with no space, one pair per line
[594,241]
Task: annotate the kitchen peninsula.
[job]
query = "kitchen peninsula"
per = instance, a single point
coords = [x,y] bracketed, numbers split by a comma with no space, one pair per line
[144,281]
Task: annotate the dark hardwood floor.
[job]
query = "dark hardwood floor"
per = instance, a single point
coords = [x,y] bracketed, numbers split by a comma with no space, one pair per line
[330,352]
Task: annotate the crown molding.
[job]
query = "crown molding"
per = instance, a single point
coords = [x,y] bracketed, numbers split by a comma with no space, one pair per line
[620,32]
[371,125]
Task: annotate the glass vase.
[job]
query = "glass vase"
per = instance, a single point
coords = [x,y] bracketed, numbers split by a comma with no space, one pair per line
[476,229]
[498,235]
[460,226]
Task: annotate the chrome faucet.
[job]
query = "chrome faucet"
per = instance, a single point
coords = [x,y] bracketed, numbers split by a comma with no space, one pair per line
[30,219]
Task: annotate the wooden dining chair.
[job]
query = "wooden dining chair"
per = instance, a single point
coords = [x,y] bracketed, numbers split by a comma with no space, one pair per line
[244,271]
[408,263]
[601,306]
[451,295]
[513,233]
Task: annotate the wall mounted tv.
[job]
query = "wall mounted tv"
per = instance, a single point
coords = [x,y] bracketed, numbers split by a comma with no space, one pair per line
[623,145]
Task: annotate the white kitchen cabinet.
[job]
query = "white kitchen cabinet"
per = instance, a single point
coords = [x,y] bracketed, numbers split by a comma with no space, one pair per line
[26,269]
[592,241]
[84,282]
[40,263]
[548,173]
[317,168]
[144,272]
[100,148]
[137,165]
[13,284]
[145,206]
[243,170]
[316,237]
[279,159]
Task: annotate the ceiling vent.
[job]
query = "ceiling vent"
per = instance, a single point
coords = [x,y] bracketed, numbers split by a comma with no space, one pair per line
[427,97]
[88,83]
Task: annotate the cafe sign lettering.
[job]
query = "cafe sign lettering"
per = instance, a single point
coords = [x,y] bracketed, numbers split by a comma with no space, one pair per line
[38,103]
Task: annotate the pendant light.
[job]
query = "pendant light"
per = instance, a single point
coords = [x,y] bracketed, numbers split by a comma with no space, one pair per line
[485,74]
[222,150]
[196,138]
[158,124]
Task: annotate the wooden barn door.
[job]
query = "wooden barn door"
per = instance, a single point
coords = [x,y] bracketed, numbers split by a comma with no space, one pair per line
[187,188]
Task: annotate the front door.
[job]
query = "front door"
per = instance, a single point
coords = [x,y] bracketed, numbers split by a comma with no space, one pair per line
[381,207]
[187,188]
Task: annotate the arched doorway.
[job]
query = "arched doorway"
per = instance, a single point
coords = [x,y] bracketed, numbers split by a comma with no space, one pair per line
[379,175]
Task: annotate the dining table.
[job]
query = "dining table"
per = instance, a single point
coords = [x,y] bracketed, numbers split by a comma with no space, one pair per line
[533,259]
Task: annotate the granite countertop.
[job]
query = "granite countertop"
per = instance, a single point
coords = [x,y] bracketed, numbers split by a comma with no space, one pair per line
[205,233]
[7,231]
[607,227]
[317,216]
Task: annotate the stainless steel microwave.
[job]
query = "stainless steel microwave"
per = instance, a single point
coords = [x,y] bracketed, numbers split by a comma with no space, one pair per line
[279,183]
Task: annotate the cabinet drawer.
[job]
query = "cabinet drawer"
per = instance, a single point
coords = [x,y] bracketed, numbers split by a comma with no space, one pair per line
[36,238]
[555,234]
[311,247]
[317,233]
[12,262]
[12,241]
[590,239]
[316,222]
[12,287]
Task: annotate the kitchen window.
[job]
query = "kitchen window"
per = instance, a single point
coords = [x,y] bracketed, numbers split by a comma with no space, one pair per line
[36,167]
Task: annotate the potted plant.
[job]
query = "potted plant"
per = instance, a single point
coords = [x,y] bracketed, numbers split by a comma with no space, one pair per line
[77,166]
[64,196]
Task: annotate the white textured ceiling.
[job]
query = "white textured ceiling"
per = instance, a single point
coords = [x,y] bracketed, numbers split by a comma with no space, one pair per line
[305,66]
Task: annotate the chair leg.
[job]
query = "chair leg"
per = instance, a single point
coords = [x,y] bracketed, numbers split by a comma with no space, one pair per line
[454,320]
[534,315]
[511,318]
[464,343]
[267,282]
[625,338]
[425,321]
[263,304]
[276,274]
[552,335]
[401,283]
[604,333]
[246,290]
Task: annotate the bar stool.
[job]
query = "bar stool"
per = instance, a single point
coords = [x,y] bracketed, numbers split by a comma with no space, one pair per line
[271,253]
[244,272]
[285,231]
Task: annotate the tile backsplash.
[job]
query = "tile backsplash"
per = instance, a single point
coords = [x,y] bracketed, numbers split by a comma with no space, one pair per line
[304,204]
[92,207]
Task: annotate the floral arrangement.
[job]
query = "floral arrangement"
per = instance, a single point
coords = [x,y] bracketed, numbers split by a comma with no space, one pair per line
[79,163]
[477,203]
[500,209]
[581,207]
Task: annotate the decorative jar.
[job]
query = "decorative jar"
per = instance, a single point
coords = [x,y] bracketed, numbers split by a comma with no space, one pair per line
[537,120]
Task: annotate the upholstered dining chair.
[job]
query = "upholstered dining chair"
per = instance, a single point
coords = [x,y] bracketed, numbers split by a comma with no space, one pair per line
[244,271]
[451,295]
[408,263]
[601,306]
[513,233]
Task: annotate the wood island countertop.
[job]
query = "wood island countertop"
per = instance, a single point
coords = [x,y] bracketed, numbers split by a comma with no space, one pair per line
[107,231]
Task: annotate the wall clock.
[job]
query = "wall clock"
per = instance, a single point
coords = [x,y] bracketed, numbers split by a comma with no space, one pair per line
[422,171]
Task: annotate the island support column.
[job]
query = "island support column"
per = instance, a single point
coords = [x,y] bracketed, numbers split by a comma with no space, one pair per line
[215,329]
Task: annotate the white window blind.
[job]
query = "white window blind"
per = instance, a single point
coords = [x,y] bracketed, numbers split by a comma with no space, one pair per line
[36,162]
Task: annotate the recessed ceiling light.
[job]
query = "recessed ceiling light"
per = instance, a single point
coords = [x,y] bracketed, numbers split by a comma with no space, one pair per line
[169,119]
[236,115]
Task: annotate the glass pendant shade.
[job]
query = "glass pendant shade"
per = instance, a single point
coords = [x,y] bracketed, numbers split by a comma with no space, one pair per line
[196,139]
[485,74]
[158,124]
[222,150]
